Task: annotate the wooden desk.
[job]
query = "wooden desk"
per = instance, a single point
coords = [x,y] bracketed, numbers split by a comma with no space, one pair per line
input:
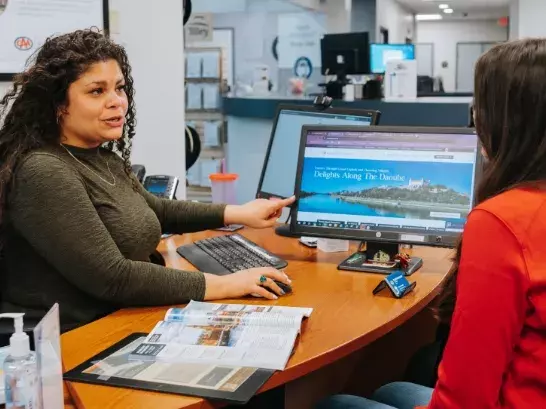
[346,317]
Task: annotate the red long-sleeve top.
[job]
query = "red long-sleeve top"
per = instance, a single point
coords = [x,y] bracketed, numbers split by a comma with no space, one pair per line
[495,357]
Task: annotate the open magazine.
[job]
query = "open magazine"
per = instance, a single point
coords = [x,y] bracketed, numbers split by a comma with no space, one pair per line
[254,336]
[112,367]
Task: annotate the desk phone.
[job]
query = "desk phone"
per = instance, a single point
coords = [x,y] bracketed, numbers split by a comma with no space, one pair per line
[162,186]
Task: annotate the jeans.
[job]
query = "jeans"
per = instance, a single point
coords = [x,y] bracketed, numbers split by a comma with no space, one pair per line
[397,395]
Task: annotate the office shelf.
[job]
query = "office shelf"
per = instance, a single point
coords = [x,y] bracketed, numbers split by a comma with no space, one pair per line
[203,107]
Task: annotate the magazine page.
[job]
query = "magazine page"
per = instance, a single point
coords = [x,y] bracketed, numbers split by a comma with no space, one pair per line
[237,344]
[223,317]
[205,306]
[203,376]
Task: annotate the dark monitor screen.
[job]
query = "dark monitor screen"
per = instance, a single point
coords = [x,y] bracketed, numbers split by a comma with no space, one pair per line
[409,185]
[281,160]
[381,53]
[345,54]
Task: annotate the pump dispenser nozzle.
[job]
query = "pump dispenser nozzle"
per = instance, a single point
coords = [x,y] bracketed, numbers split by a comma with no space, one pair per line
[19,341]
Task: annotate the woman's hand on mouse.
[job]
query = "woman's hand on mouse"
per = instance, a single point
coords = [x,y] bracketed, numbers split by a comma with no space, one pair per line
[258,214]
[246,282]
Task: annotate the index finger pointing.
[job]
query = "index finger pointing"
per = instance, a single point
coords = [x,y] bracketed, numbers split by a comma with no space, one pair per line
[285,202]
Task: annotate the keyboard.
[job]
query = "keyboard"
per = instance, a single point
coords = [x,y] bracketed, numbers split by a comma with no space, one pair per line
[227,254]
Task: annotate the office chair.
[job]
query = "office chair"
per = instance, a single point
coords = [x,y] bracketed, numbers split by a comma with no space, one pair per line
[193,146]
[422,368]
[187,6]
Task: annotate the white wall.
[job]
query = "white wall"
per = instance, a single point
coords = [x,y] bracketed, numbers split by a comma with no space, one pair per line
[396,18]
[514,20]
[218,6]
[156,56]
[530,18]
[309,4]
[159,84]
[363,17]
[338,15]
[254,36]
[446,34]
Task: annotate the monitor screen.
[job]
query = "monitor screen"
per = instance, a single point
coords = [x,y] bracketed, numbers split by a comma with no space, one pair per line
[345,54]
[398,184]
[279,170]
[381,53]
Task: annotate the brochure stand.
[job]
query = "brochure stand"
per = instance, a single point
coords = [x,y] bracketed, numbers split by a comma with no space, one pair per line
[47,342]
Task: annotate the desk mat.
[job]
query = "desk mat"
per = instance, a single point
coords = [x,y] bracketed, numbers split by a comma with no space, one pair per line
[112,367]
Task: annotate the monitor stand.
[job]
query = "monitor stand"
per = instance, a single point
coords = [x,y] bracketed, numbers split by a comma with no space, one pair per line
[387,257]
[284,230]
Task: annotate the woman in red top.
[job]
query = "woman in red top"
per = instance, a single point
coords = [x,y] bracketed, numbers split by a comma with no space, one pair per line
[495,357]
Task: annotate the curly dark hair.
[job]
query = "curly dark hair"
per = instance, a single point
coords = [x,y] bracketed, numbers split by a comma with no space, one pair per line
[30,109]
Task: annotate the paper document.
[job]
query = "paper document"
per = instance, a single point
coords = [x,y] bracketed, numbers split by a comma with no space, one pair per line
[224,334]
[211,133]
[193,65]
[211,64]
[193,96]
[211,96]
[193,175]
[224,378]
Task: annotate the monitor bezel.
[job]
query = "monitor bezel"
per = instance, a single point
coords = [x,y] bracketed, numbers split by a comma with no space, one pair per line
[382,44]
[374,114]
[439,239]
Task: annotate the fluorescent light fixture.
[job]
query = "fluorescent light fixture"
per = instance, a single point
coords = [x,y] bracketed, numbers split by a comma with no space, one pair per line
[443,6]
[448,11]
[425,17]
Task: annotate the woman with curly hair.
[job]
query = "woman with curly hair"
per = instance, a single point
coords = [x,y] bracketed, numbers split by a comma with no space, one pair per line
[77,228]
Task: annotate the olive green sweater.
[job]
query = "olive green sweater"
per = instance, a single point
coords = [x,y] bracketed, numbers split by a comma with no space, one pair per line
[75,239]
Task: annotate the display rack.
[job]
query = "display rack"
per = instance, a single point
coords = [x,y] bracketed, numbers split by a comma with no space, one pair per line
[204,89]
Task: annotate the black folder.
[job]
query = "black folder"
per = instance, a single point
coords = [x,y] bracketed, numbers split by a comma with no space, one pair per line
[90,372]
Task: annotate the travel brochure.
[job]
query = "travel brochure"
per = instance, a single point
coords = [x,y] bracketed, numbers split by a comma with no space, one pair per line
[112,367]
[224,334]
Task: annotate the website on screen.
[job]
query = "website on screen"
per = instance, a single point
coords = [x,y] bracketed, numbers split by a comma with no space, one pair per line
[382,181]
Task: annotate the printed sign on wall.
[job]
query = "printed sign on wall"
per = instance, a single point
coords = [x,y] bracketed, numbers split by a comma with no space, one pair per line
[25,25]
[299,36]
[199,27]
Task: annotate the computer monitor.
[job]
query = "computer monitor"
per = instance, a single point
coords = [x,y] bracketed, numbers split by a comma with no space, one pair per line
[381,53]
[281,160]
[345,54]
[387,184]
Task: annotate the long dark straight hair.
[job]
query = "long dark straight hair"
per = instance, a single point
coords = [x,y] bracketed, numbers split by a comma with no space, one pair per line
[510,119]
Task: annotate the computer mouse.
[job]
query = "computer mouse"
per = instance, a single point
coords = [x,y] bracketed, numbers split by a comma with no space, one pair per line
[285,287]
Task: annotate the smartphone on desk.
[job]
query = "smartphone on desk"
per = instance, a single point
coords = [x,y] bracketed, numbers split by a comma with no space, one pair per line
[231,228]
[309,242]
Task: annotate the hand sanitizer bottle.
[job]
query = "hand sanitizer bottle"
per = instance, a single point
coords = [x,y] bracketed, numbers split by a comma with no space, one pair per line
[20,369]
